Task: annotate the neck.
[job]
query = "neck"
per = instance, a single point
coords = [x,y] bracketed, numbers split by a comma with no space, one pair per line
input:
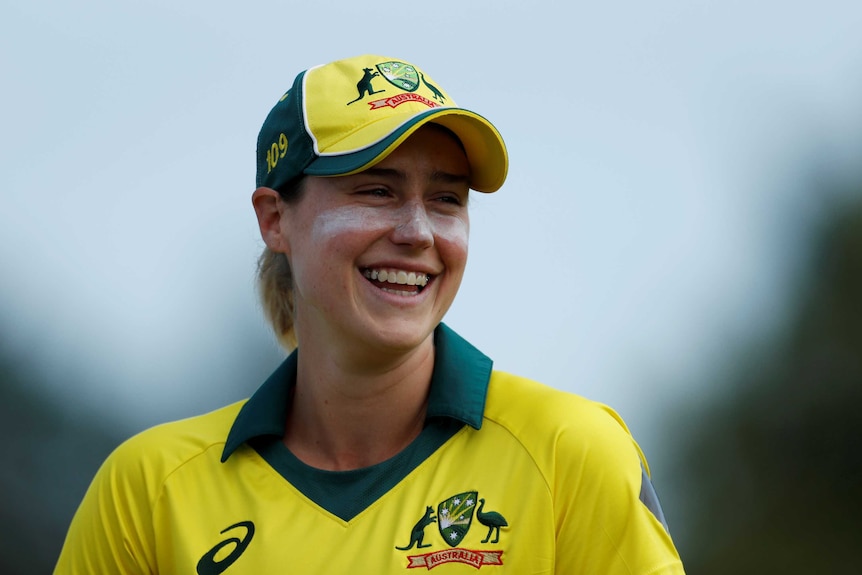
[348,413]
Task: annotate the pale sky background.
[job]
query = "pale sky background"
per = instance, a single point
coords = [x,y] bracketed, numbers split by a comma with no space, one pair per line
[662,158]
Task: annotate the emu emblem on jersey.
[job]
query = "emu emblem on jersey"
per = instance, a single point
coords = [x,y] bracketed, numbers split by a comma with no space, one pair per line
[454,517]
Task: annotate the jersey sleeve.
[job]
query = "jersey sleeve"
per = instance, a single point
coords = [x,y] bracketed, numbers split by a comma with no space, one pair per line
[609,519]
[112,530]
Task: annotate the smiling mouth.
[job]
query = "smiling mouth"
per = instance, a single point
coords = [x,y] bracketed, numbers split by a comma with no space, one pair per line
[398,282]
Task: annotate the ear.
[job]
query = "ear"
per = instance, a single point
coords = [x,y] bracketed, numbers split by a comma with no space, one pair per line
[268,206]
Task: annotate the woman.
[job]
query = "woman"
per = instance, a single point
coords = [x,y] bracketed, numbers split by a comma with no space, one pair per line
[384,442]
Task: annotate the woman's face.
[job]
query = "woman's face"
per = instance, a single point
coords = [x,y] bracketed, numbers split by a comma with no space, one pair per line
[377,257]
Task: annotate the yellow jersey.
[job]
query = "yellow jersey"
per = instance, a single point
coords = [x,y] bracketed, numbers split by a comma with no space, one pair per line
[508,476]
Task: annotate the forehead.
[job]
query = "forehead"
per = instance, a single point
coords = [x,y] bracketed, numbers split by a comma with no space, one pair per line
[432,155]
[432,148]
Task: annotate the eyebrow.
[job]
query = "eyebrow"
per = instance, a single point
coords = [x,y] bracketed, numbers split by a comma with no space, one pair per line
[436,175]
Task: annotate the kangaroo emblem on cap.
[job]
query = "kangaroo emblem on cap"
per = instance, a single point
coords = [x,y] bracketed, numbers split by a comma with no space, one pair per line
[364,85]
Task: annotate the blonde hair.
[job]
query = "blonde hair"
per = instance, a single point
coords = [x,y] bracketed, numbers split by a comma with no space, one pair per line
[275,281]
[275,287]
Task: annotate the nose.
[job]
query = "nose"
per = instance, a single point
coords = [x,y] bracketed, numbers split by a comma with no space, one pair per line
[413,226]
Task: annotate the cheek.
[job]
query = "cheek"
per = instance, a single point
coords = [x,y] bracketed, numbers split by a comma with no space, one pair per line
[454,234]
[341,223]
[321,242]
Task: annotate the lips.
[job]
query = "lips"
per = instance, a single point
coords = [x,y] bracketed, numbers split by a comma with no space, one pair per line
[399,282]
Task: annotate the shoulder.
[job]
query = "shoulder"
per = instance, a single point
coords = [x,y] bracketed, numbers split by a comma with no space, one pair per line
[152,455]
[607,516]
[528,407]
[113,529]
[551,423]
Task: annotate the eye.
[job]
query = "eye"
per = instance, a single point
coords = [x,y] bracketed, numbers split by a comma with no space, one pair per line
[375,192]
[452,198]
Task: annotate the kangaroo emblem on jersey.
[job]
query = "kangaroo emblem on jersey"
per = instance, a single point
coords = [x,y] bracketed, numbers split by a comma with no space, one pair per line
[364,86]
[417,535]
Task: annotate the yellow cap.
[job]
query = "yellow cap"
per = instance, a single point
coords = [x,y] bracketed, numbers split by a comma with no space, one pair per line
[346,116]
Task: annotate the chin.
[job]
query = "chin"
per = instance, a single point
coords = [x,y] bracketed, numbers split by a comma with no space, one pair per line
[401,338]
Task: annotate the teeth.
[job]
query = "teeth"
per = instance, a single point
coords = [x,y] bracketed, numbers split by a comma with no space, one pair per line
[400,292]
[400,277]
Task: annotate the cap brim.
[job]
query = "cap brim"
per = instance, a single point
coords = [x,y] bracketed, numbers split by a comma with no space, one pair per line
[483,144]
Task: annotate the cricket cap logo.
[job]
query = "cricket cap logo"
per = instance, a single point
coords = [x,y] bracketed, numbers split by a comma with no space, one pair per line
[400,75]
[455,515]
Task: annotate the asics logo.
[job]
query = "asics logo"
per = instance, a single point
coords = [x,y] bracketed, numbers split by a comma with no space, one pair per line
[208,565]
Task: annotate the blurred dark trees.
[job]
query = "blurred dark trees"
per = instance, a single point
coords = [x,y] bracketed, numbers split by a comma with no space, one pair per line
[774,470]
[50,454]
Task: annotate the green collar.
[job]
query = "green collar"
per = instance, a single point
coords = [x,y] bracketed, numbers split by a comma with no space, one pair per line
[458,388]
